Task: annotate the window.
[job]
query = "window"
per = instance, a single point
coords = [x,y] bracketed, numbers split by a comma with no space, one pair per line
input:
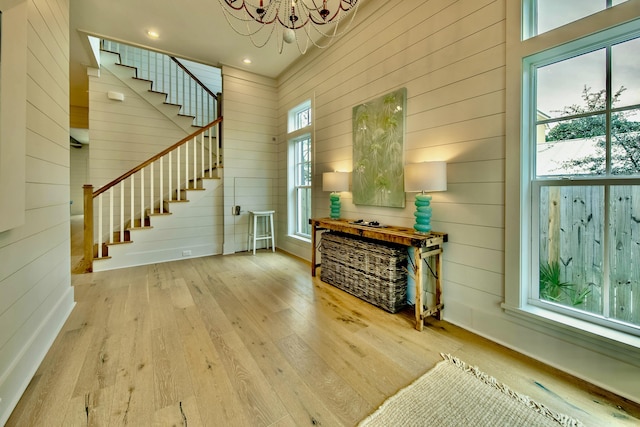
[300,170]
[546,15]
[582,137]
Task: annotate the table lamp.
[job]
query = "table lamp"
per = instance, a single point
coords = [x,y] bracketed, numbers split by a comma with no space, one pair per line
[335,182]
[424,178]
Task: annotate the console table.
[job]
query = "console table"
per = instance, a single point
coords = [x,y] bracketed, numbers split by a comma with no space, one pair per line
[424,246]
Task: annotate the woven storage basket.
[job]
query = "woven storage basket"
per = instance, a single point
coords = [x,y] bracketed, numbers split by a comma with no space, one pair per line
[369,269]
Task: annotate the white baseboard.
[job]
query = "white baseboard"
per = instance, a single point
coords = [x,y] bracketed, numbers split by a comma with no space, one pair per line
[26,363]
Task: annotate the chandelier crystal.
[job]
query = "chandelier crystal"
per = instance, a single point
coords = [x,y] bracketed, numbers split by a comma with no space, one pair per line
[305,22]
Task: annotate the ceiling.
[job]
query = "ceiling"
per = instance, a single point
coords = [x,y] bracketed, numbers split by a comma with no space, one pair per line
[191,29]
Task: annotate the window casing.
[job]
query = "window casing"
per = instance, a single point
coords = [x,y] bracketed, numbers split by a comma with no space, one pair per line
[581,149]
[300,170]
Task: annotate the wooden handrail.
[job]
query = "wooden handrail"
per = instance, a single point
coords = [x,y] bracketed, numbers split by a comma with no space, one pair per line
[190,74]
[156,157]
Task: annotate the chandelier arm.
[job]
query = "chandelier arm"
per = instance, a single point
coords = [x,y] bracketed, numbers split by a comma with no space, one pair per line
[249,33]
[335,33]
[279,13]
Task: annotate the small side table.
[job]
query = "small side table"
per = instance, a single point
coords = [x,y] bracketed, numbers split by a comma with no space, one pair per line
[423,245]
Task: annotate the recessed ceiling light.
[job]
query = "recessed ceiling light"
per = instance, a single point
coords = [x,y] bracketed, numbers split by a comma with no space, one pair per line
[246,61]
[153,34]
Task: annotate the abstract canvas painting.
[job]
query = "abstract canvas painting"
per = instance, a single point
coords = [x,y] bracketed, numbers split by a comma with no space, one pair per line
[378,147]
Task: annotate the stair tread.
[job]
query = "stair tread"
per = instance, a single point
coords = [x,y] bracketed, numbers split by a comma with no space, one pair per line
[176,201]
[158,214]
[140,228]
[119,243]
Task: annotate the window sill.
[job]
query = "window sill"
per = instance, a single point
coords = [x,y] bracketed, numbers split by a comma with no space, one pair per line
[300,238]
[616,344]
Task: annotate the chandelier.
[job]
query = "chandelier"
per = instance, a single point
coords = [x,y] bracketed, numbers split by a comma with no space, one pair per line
[305,22]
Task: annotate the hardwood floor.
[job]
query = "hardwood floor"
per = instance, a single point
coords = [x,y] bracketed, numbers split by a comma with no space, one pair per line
[255,340]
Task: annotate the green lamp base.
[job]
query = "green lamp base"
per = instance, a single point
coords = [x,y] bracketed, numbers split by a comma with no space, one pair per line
[423,214]
[335,205]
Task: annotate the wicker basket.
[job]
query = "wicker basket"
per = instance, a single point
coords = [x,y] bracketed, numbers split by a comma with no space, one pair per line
[369,269]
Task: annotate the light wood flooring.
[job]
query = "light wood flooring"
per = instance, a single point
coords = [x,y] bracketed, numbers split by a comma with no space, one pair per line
[245,340]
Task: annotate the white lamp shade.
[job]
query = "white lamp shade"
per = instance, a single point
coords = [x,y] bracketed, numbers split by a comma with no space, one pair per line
[335,181]
[426,176]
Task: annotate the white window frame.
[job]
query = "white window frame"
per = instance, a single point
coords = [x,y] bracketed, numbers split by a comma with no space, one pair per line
[296,133]
[619,34]
[519,168]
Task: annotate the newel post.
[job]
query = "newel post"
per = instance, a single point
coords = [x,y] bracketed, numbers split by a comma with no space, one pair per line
[88,226]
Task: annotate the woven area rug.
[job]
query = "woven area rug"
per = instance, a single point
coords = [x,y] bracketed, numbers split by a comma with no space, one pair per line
[456,394]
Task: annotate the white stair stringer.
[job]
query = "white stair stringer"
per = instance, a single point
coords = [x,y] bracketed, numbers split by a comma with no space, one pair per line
[193,229]
[127,75]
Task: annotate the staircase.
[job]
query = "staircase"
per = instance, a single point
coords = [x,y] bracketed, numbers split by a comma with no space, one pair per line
[151,73]
[165,208]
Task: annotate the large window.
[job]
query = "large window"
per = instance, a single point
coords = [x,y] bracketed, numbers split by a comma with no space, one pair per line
[583,143]
[300,173]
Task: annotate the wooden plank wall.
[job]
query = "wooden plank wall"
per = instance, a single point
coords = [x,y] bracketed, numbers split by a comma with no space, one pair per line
[35,292]
[250,110]
[123,134]
[451,58]
[79,176]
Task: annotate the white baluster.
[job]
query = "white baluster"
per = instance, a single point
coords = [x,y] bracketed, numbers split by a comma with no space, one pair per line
[161,185]
[133,211]
[170,176]
[195,161]
[100,214]
[122,211]
[152,204]
[142,197]
[203,174]
[186,164]
[217,146]
[111,215]
[178,178]
[210,155]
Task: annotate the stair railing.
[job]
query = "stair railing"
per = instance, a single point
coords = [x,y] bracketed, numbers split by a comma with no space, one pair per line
[170,76]
[145,187]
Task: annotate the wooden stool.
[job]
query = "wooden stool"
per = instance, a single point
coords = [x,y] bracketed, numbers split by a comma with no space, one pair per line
[268,229]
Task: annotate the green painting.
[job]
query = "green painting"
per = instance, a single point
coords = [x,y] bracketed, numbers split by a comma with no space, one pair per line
[378,146]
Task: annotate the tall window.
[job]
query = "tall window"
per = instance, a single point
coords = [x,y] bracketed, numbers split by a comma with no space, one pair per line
[583,142]
[300,173]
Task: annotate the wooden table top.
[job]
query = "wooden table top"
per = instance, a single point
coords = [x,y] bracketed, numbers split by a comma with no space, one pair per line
[389,233]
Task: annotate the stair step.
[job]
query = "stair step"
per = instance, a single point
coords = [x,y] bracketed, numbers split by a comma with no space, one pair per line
[119,243]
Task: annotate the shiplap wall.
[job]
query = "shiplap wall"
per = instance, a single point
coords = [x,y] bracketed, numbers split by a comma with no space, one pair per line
[451,56]
[250,110]
[123,134]
[79,117]
[35,292]
[78,176]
